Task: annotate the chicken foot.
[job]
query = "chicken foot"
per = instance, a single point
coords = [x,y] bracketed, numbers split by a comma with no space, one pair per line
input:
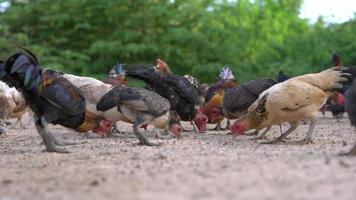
[281,138]
[218,127]
[47,137]
[143,140]
[262,135]
[307,139]
[21,124]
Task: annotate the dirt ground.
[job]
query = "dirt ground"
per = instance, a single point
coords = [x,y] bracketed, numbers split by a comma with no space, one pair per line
[203,166]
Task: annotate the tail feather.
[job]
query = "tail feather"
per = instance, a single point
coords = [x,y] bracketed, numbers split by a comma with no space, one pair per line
[109,100]
[23,70]
[326,80]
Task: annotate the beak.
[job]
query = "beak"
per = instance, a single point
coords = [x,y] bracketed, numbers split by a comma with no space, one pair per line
[195,127]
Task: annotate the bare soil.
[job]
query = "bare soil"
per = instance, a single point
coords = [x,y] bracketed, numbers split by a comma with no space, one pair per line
[198,166]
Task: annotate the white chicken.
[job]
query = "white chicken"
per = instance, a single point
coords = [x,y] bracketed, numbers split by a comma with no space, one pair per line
[291,101]
[12,104]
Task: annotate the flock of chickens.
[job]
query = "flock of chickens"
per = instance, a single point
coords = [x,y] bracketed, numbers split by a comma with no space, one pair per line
[86,104]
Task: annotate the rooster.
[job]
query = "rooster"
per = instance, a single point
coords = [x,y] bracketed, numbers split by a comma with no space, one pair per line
[291,101]
[52,99]
[12,104]
[215,95]
[139,106]
[181,92]
[93,90]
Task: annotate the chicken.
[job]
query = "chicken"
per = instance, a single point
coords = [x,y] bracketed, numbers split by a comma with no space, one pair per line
[237,100]
[215,95]
[291,101]
[139,106]
[117,76]
[93,90]
[181,92]
[336,106]
[350,106]
[335,103]
[52,99]
[281,76]
[163,66]
[12,104]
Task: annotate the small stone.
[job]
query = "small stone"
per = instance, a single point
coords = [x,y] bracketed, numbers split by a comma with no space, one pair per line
[344,143]
[162,156]
[344,164]
[94,183]
[7,182]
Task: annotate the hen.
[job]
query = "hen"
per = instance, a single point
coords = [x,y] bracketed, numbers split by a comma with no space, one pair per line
[12,104]
[139,106]
[181,92]
[215,95]
[52,99]
[291,101]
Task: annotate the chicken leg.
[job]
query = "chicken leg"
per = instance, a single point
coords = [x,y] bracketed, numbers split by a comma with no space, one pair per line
[262,135]
[281,138]
[307,139]
[48,139]
[143,141]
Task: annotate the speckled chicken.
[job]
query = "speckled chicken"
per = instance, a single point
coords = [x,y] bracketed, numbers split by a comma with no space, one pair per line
[140,106]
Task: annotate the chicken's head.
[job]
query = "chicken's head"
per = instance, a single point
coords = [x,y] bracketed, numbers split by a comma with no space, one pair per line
[215,115]
[239,128]
[201,120]
[104,127]
[176,129]
[161,65]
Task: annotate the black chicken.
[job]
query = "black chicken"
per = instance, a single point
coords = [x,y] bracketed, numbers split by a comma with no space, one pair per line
[52,99]
[179,91]
[350,107]
[281,76]
[237,100]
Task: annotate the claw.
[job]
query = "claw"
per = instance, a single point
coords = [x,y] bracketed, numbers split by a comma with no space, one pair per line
[149,144]
[277,141]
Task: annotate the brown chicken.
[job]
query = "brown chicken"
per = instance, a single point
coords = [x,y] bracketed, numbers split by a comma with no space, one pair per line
[52,99]
[291,101]
[215,96]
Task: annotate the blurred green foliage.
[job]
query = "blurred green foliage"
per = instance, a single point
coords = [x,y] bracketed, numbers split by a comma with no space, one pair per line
[256,38]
